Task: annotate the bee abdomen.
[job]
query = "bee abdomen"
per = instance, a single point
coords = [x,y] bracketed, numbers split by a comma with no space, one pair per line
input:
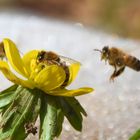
[133,63]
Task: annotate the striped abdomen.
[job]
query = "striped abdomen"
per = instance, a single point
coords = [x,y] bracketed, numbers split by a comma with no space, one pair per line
[132,62]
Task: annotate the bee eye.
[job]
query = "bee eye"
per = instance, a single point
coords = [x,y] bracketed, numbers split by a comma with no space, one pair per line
[104,51]
[40,57]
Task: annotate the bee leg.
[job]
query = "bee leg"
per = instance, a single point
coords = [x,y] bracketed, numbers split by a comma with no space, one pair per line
[113,75]
[117,73]
[120,71]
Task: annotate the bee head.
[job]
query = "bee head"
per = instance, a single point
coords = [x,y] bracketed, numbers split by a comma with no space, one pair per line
[47,56]
[41,55]
[105,53]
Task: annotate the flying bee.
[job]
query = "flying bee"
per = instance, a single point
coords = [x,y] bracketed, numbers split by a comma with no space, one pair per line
[51,58]
[119,60]
[2,52]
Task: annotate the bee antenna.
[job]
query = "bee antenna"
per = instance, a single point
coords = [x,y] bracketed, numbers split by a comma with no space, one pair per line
[98,50]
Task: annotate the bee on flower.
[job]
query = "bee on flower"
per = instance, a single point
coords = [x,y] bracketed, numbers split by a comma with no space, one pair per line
[40,69]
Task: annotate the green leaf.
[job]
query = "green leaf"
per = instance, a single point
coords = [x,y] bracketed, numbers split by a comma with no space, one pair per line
[76,105]
[9,116]
[73,115]
[48,117]
[7,96]
[30,113]
[10,110]
[23,110]
[135,136]
[60,119]
[11,88]
[6,99]
[5,135]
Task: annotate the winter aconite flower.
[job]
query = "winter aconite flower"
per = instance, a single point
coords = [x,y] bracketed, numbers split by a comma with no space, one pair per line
[34,74]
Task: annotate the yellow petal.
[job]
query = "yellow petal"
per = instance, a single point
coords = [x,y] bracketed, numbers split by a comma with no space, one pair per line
[50,77]
[12,77]
[73,68]
[14,58]
[70,93]
[28,57]
[35,69]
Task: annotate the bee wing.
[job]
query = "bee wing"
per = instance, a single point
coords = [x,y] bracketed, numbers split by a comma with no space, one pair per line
[128,49]
[68,60]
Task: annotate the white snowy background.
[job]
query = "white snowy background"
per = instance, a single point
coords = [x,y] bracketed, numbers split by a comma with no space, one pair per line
[114,108]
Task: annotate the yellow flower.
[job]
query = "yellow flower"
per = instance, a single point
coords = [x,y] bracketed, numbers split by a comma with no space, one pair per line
[30,74]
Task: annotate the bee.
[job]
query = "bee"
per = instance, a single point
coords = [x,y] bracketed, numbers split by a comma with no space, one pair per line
[51,58]
[119,60]
[2,52]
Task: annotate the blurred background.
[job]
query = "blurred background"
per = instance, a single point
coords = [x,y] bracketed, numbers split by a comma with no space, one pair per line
[120,17]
